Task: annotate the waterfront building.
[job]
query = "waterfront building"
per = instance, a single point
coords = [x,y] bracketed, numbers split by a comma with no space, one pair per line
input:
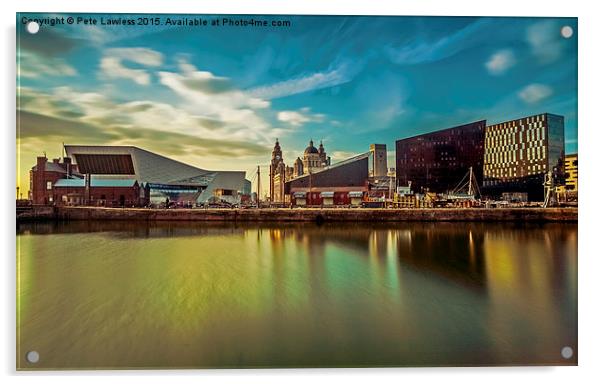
[101,192]
[298,167]
[382,180]
[44,175]
[277,170]
[166,178]
[378,160]
[570,173]
[519,153]
[438,161]
[343,183]
[314,159]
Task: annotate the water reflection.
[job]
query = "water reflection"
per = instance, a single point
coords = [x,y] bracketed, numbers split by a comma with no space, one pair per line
[230,295]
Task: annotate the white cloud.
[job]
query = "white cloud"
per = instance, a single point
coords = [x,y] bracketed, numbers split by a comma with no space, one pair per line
[33,66]
[216,98]
[545,40]
[98,110]
[112,63]
[338,156]
[208,107]
[534,93]
[500,62]
[343,73]
[298,118]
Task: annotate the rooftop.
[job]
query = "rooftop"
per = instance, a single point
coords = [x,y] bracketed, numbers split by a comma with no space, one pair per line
[95,182]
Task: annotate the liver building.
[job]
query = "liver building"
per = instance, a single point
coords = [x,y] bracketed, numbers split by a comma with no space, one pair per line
[314,159]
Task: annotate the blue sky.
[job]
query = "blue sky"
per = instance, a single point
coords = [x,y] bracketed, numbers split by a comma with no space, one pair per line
[218,97]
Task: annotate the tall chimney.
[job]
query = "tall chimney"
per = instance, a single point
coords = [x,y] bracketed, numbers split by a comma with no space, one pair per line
[39,187]
[67,161]
[41,163]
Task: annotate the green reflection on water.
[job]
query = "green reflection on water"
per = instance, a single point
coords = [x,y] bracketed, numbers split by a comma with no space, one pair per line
[172,295]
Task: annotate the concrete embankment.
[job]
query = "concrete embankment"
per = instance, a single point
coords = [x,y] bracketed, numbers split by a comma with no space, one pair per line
[313,214]
[36,213]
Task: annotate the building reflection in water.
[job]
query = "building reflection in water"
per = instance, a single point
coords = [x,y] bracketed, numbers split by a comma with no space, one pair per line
[225,295]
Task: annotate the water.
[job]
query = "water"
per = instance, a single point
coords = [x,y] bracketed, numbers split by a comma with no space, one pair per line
[180,295]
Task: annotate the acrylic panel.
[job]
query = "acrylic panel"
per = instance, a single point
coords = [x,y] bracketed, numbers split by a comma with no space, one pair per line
[286,191]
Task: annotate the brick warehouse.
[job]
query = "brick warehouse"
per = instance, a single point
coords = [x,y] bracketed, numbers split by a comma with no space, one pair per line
[102,192]
[60,183]
[44,175]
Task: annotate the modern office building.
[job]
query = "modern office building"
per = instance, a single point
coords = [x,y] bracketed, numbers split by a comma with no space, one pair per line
[570,173]
[166,178]
[438,161]
[519,153]
[378,160]
[342,183]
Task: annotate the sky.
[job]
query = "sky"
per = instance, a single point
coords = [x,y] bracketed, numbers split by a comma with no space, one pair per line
[217,97]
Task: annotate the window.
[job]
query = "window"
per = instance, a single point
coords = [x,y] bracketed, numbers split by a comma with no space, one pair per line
[49,185]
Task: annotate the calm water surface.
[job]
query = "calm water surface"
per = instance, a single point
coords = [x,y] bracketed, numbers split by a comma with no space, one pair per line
[176,295]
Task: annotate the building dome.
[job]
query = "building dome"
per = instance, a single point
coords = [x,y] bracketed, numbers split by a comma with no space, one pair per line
[311,148]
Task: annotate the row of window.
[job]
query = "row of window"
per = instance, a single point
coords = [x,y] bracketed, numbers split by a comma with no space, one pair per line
[530,135]
[530,169]
[515,147]
[513,123]
[531,154]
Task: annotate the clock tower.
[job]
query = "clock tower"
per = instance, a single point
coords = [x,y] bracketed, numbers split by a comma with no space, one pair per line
[275,167]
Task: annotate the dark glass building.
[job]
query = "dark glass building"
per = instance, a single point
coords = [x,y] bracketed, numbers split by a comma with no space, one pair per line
[438,161]
[519,153]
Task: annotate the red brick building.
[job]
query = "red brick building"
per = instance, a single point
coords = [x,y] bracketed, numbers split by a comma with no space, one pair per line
[343,183]
[101,192]
[59,183]
[44,175]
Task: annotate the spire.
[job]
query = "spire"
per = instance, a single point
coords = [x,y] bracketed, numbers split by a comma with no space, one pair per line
[311,142]
[276,153]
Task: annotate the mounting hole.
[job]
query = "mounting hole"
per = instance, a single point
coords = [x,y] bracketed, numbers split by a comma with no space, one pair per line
[567,352]
[566,31]
[33,357]
[33,27]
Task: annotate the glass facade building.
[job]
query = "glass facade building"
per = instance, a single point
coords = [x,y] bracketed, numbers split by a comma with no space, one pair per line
[438,161]
[519,153]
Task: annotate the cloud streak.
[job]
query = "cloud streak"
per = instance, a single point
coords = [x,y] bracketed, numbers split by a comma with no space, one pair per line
[421,50]
[32,65]
[112,65]
[340,74]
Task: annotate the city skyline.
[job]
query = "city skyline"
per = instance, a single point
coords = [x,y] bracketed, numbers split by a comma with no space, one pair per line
[219,98]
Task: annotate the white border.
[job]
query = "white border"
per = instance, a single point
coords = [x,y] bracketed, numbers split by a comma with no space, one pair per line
[590,192]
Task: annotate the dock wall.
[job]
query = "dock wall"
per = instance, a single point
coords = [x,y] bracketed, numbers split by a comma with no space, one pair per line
[318,215]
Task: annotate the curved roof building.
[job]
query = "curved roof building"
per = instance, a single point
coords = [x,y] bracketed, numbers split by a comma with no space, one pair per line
[166,177]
